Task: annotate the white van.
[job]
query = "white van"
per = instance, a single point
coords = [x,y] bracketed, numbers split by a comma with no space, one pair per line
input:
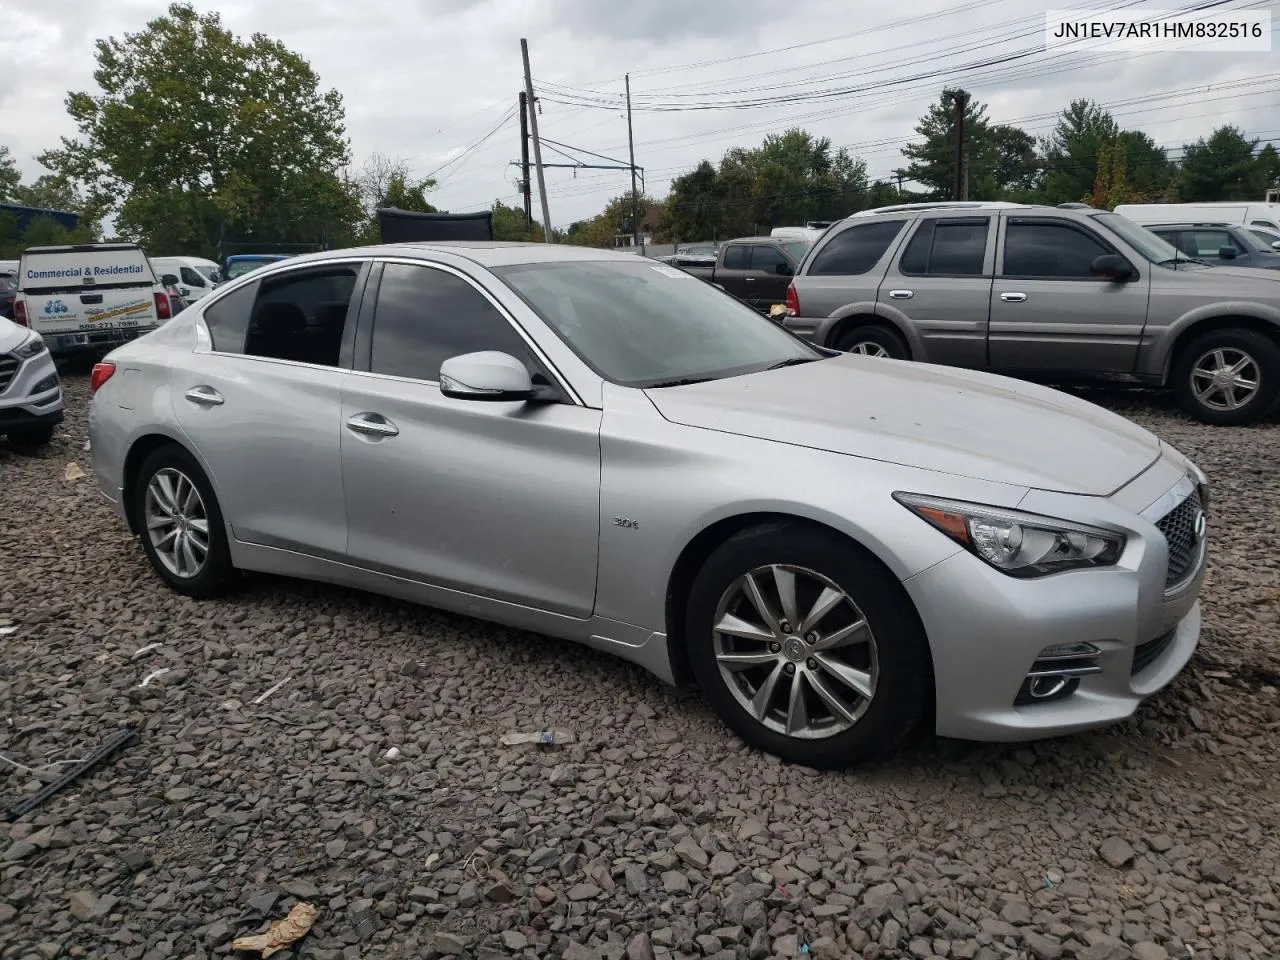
[1242,213]
[89,297]
[193,276]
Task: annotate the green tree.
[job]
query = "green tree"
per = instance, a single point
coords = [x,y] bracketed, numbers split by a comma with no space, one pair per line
[508,225]
[1000,158]
[383,182]
[602,229]
[1221,167]
[201,134]
[1268,164]
[10,178]
[1085,143]
[695,206]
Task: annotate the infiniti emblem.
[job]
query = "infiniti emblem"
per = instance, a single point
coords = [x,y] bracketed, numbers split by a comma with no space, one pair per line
[1198,528]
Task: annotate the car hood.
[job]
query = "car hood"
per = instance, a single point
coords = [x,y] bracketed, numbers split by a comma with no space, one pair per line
[919,415]
[1235,281]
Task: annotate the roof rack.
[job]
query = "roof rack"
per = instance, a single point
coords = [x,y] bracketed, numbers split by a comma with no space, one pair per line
[941,205]
[1075,206]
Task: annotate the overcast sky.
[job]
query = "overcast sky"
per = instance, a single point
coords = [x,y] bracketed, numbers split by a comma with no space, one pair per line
[423,80]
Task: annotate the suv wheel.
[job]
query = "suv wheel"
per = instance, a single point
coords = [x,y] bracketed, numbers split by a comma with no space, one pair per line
[29,438]
[181,526]
[806,648]
[1228,377]
[872,341]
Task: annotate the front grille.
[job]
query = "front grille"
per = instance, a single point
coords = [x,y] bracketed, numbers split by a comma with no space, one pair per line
[1179,529]
[8,367]
[1145,654]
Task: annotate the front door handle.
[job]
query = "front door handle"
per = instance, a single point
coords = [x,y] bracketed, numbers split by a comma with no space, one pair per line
[205,396]
[901,294]
[372,425]
[1013,297]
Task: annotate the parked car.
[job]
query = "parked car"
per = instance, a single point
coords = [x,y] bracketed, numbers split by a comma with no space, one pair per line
[1239,213]
[177,299]
[1219,244]
[86,298]
[697,250]
[596,446]
[1046,293]
[30,395]
[1269,237]
[241,263]
[194,276]
[8,292]
[754,269]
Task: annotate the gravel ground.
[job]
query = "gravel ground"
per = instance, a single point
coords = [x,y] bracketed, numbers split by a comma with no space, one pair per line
[653,834]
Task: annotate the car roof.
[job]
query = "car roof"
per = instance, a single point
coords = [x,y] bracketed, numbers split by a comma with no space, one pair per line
[1216,224]
[486,253]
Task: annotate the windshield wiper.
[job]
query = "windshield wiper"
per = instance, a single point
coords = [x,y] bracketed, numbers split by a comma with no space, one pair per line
[790,362]
[682,382]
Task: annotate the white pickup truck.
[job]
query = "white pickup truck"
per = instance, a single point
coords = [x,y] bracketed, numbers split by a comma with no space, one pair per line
[89,298]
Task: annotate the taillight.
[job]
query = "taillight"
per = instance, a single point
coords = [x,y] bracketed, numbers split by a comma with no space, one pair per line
[20,312]
[101,374]
[793,300]
[164,310]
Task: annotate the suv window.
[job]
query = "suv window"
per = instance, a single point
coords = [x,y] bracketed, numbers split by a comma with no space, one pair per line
[300,316]
[735,257]
[947,248]
[425,316]
[855,250]
[767,259]
[1049,250]
[1207,243]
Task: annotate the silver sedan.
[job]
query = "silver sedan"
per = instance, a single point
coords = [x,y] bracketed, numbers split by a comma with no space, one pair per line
[600,447]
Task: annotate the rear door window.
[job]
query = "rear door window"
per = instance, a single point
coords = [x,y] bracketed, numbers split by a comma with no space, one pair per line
[301,316]
[855,250]
[947,248]
[735,257]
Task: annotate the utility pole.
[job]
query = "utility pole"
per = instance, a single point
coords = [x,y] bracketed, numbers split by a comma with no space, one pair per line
[525,187]
[957,192]
[537,144]
[964,192]
[635,197]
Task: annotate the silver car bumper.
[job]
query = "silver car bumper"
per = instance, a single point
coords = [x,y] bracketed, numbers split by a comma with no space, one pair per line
[29,391]
[990,634]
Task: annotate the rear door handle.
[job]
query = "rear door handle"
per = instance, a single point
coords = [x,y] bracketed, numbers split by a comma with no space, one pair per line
[372,425]
[1013,297]
[205,396]
[901,294]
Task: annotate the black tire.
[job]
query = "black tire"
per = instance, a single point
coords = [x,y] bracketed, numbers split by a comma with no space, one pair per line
[1263,354]
[28,438]
[904,666]
[217,576]
[873,336]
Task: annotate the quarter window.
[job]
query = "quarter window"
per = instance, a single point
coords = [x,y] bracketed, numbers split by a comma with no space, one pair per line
[228,318]
[425,316]
[301,316]
[1049,250]
[855,250]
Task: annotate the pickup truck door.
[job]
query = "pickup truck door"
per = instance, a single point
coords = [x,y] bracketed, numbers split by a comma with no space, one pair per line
[731,271]
[1050,313]
[765,284]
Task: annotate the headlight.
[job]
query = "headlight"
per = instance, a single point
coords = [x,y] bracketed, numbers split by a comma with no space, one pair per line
[32,348]
[1019,544]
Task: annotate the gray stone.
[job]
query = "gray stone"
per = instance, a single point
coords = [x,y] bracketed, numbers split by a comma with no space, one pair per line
[302,889]
[692,854]
[514,940]
[723,864]
[1042,948]
[635,879]
[754,917]
[86,906]
[450,944]
[1017,912]
[759,948]
[1217,871]
[673,881]
[640,947]
[583,891]
[7,912]
[1146,950]
[1116,851]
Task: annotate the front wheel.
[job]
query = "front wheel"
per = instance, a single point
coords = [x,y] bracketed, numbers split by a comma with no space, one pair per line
[1228,377]
[873,341]
[181,525]
[806,647]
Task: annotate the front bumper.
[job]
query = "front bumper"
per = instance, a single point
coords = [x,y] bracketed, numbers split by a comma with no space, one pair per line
[987,630]
[33,396]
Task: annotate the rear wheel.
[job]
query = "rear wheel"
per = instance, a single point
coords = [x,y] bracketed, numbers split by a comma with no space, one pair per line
[181,526]
[30,437]
[872,341]
[1228,377]
[806,647]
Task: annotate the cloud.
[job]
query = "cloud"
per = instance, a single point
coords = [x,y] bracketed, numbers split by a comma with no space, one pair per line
[423,80]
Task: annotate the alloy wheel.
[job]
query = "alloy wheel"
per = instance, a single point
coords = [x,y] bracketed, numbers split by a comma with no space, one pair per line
[868,348]
[177,523]
[795,651]
[1225,378]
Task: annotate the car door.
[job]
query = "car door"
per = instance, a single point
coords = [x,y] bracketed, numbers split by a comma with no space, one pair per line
[1048,310]
[261,402]
[732,271]
[942,285]
[769,276]
[496,499]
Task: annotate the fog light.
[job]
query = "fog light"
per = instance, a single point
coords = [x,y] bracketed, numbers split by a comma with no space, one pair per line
[1068,651]
[1056,673]
[48,383]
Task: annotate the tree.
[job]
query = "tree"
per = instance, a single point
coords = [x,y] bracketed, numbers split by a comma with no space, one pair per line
[1268,164]
[1000,159]
[383,182]
[202,134]
[508,225]
[1086,139]
[1221,168]
[695,206]
[10,178]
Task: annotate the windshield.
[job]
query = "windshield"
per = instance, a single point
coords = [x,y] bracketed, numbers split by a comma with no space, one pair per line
[798,248]
[209,273]
[1140,238]
[648,324]
[1251,243]
[238,268]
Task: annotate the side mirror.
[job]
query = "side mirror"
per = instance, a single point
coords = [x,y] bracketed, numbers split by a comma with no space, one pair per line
[487,375]
[784,269]
[1111,267]
[185,291]
[1275,245]
[170,280]
[1227,253]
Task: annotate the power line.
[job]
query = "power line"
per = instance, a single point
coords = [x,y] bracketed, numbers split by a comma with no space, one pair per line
[506,118]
